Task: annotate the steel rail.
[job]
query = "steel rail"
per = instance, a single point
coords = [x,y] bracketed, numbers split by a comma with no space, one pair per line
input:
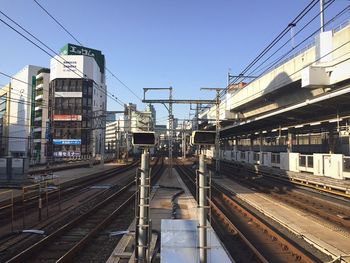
[227,221]
[67,257]
[224,195]
[234,229]
[285,244]
[50,238]
[319,186]
[302,201]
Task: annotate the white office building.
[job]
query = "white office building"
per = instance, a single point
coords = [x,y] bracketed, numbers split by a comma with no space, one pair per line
[20,118]
[78,102]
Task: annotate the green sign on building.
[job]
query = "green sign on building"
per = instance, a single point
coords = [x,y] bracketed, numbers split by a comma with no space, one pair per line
[71,49]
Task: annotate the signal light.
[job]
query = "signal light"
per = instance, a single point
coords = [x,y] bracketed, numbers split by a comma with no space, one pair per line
[146,139]
[203,138]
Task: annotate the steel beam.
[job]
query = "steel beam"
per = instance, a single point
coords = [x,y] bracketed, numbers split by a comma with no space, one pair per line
[164,101]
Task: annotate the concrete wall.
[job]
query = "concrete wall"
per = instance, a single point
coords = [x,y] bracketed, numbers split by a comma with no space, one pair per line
[337,69]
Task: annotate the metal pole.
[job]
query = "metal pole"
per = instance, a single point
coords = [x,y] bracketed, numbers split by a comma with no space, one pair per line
[171,127]
[183,141]
[40,201]
[322,15]
[217,135]
[117,141]
[91,160]
[12,211]
[196,128]
[292,25]
[102,143]
[202,209]
[143,202]
[217,129]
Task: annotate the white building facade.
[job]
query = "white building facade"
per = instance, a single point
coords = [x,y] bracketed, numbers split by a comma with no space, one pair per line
[77,102]
[20,109]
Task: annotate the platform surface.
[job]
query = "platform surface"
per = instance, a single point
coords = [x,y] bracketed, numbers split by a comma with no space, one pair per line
[180,243]
[328,238]
[161,209]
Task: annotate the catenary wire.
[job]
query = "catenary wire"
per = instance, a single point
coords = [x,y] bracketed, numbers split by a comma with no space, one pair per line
[69,33]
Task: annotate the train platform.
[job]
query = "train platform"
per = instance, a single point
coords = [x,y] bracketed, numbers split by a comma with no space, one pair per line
[161,206]
[64,178]
[335,186]
[324,237]
[170,218]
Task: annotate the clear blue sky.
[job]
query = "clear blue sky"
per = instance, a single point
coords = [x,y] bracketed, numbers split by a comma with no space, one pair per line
[158,43]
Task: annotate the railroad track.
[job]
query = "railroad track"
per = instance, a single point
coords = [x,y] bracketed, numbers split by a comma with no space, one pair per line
[75,199]
[336,192]
[66,192]
[247,237]
[63,244]
[286,193]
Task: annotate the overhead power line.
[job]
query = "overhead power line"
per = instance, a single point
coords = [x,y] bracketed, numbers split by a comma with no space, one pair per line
[280,35]
[45,51]
[271,65]
[65,29]
[69,33]
[286,42]
[123,84]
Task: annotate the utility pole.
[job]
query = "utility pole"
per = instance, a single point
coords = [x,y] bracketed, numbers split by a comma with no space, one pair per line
[183,141]
[102,149]
[171,129]
[98,122]
[322,15]
[117,141]
[217,128]
[292,25]
[92,138]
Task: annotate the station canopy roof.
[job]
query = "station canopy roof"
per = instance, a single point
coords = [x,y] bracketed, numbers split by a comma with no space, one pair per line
[318,109]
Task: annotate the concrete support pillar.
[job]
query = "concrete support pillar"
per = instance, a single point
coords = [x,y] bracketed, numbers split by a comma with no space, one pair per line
[143,208]
[202,201]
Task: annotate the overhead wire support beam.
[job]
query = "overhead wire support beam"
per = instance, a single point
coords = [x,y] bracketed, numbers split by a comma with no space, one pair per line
[180,101]
[170,101]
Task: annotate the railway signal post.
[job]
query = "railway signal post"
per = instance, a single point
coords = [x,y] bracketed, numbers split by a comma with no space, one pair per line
[203,138]
[143,232]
